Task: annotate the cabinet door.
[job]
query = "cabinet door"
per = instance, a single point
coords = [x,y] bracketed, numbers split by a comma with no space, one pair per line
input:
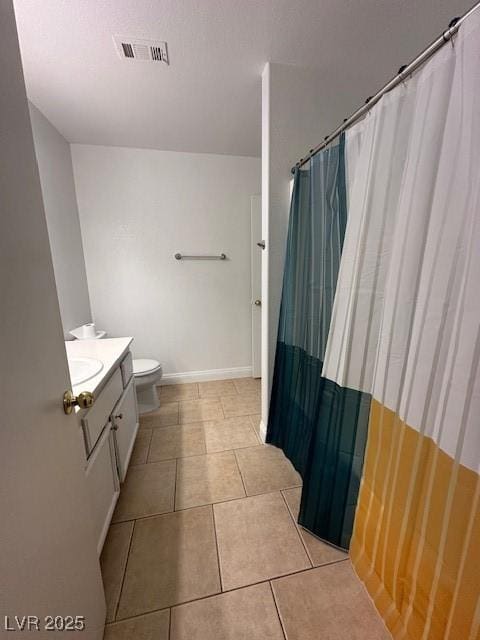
[102,483]
[125,426]
[95,418]
[126,367]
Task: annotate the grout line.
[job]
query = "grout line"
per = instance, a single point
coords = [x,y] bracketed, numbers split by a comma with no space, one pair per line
[257,433]
[296,527]
[260,441]
[250,446]
[257,436]
[277,609]
[154,427]
[150,424]
[243,586]
[235,386]
[241,415]
[152,462]
[219,395]
[178,424]
[330,562]
[218,550]
[221,406]
[175,486]
[144,613]
[206,452]
[240,472]
[206,504]
[247,446]
[147,425]
[197,506]
[282,575]
[124,572]
[198,455]
[169,622]
[149,447]
[263,493]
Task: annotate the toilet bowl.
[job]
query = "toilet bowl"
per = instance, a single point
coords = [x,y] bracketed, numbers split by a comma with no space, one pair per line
[147,374]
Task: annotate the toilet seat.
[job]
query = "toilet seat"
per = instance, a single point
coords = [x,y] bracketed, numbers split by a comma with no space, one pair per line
[145,366]
[147,374]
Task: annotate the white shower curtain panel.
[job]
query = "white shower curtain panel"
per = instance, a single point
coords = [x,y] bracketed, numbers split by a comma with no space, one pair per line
[406,330]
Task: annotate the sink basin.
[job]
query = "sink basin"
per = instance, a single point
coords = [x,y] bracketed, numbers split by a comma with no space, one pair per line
[82,369]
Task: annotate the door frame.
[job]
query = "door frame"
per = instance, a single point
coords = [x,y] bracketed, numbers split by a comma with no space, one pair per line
[256,283]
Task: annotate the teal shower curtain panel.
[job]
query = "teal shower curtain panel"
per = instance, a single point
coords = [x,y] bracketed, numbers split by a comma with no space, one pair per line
[314,245]
[318,424]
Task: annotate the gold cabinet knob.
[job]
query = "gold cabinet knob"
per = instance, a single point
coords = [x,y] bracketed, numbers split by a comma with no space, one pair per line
[84,400]
[258,303]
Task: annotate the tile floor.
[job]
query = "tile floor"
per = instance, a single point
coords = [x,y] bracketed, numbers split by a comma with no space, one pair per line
[204,543]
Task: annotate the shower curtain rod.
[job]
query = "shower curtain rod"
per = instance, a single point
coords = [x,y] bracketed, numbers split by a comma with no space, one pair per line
[402,75]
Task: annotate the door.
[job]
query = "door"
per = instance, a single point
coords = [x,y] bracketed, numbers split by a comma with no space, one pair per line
[256,236]
[48,562]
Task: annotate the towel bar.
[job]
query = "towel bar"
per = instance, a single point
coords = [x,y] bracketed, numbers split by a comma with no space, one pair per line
[179,256]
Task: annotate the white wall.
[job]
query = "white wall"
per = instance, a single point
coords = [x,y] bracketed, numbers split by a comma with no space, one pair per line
[58,191]
[137,208]
[297,112]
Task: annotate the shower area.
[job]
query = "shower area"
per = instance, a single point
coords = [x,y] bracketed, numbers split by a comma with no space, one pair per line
[376,389]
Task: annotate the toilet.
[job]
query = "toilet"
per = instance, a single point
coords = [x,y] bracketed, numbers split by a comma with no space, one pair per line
[147,374]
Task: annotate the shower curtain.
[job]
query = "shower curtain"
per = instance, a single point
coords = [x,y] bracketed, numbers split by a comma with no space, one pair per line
[405,336]
[314,246]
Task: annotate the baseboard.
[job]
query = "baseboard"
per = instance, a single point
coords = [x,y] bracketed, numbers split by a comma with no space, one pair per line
[203,376]
[262,431]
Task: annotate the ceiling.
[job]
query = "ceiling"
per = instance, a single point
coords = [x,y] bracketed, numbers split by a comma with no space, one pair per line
[209,98]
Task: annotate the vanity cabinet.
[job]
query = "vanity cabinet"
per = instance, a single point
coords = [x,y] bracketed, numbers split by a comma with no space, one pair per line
[103,485]
[109,428]
[125,425]
[95,419]
[126,368]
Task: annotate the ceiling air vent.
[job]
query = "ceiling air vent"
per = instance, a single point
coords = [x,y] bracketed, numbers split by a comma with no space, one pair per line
[141,50]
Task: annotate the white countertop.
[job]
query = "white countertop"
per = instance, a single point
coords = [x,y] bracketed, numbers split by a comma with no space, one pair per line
[109,351]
